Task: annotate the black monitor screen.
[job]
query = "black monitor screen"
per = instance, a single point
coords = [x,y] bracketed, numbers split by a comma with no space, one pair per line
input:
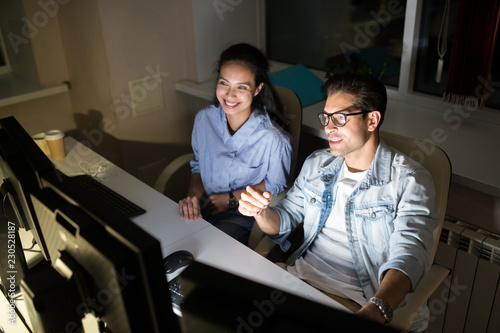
[218,301]
[116,266]
[21,164]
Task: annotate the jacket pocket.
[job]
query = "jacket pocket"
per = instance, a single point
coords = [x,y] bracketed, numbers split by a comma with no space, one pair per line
[312,198]
[375,225]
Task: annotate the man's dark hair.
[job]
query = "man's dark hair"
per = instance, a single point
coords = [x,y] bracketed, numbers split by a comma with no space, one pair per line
[369,93]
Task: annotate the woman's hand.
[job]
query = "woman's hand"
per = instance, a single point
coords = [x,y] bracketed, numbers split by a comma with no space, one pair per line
[189,208]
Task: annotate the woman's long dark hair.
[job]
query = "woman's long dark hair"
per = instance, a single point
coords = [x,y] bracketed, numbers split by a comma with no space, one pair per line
[257,62]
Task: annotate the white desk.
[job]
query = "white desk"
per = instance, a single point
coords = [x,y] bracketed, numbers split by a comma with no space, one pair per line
[208,244]
[161,220]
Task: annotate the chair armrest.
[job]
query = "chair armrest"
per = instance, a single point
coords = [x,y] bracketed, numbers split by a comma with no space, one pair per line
[277,198]
[256,235]
[260,242]
[170,169]
[403,317]
[265,246]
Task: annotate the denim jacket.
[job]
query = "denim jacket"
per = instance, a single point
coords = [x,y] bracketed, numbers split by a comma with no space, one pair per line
[389,218]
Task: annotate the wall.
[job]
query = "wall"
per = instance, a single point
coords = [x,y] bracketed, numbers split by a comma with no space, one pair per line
[146,39]
[176,40]
[107,45]
[19,50]
[53,111]
[218,24]
[85,53]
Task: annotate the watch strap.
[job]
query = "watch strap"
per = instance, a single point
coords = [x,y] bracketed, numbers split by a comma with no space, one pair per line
[233,203]
[384,307]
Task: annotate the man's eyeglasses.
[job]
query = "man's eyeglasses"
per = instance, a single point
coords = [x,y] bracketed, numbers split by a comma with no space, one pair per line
[338,119]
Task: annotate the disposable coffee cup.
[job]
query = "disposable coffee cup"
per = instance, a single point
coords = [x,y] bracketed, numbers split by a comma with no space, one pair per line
[41,143]
[55,142]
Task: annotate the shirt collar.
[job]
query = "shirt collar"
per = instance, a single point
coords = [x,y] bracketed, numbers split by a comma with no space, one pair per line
[246,130]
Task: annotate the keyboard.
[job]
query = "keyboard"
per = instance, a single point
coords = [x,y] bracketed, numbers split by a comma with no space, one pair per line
[121,204]
[176,295]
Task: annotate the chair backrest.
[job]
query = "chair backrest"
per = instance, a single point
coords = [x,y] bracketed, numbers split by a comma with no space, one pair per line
[435,160]
[292,110]
[170,172]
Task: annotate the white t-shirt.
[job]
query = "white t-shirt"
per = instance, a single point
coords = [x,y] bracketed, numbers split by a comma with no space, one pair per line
[327,263]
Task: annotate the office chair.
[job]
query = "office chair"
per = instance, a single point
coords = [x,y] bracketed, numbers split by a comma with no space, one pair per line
[292,110]
[170,170]
[435,160]
[437,163]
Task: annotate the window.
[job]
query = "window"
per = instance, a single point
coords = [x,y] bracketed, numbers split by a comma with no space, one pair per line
[427,59]
[369,37]
[362,36]
[4,63]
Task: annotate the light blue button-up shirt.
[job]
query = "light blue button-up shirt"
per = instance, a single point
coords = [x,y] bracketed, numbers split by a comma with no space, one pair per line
[259,150]
[389,218]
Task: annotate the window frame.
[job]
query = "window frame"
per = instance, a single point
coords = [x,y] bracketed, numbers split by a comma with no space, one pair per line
[405,92]
[5,68]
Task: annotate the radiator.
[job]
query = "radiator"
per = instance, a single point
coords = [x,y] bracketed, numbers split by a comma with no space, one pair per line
[469,299]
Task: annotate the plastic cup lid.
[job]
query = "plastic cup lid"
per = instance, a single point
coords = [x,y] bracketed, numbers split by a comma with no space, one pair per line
[54,135]
[39,136]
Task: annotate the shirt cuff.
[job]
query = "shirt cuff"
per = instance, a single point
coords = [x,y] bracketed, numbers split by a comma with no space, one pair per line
[408,265]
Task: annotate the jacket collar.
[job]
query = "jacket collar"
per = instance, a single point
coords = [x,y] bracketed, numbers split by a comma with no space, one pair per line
[379,172]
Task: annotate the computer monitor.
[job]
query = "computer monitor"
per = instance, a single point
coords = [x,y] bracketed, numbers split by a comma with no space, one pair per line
[21,164]
[116,266]
[218,301]
[97,262]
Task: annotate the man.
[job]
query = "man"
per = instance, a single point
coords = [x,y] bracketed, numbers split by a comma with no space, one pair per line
[368,210]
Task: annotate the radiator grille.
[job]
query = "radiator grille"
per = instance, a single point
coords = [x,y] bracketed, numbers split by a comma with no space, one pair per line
[466,237]
[469,299]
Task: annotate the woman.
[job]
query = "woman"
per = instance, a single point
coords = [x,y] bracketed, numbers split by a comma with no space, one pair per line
[236,144]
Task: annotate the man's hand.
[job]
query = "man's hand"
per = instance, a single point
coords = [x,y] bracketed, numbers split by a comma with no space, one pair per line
[253,201]
[372,312]
[189,208]
[393,289]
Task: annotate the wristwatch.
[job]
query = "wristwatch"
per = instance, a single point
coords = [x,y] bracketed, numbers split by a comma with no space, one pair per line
[233,203]
[384,307]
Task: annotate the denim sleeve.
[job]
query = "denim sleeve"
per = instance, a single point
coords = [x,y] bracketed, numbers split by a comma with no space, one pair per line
[291,208]
[414,224]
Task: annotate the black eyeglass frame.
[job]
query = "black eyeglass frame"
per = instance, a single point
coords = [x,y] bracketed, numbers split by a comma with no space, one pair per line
[331,117]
